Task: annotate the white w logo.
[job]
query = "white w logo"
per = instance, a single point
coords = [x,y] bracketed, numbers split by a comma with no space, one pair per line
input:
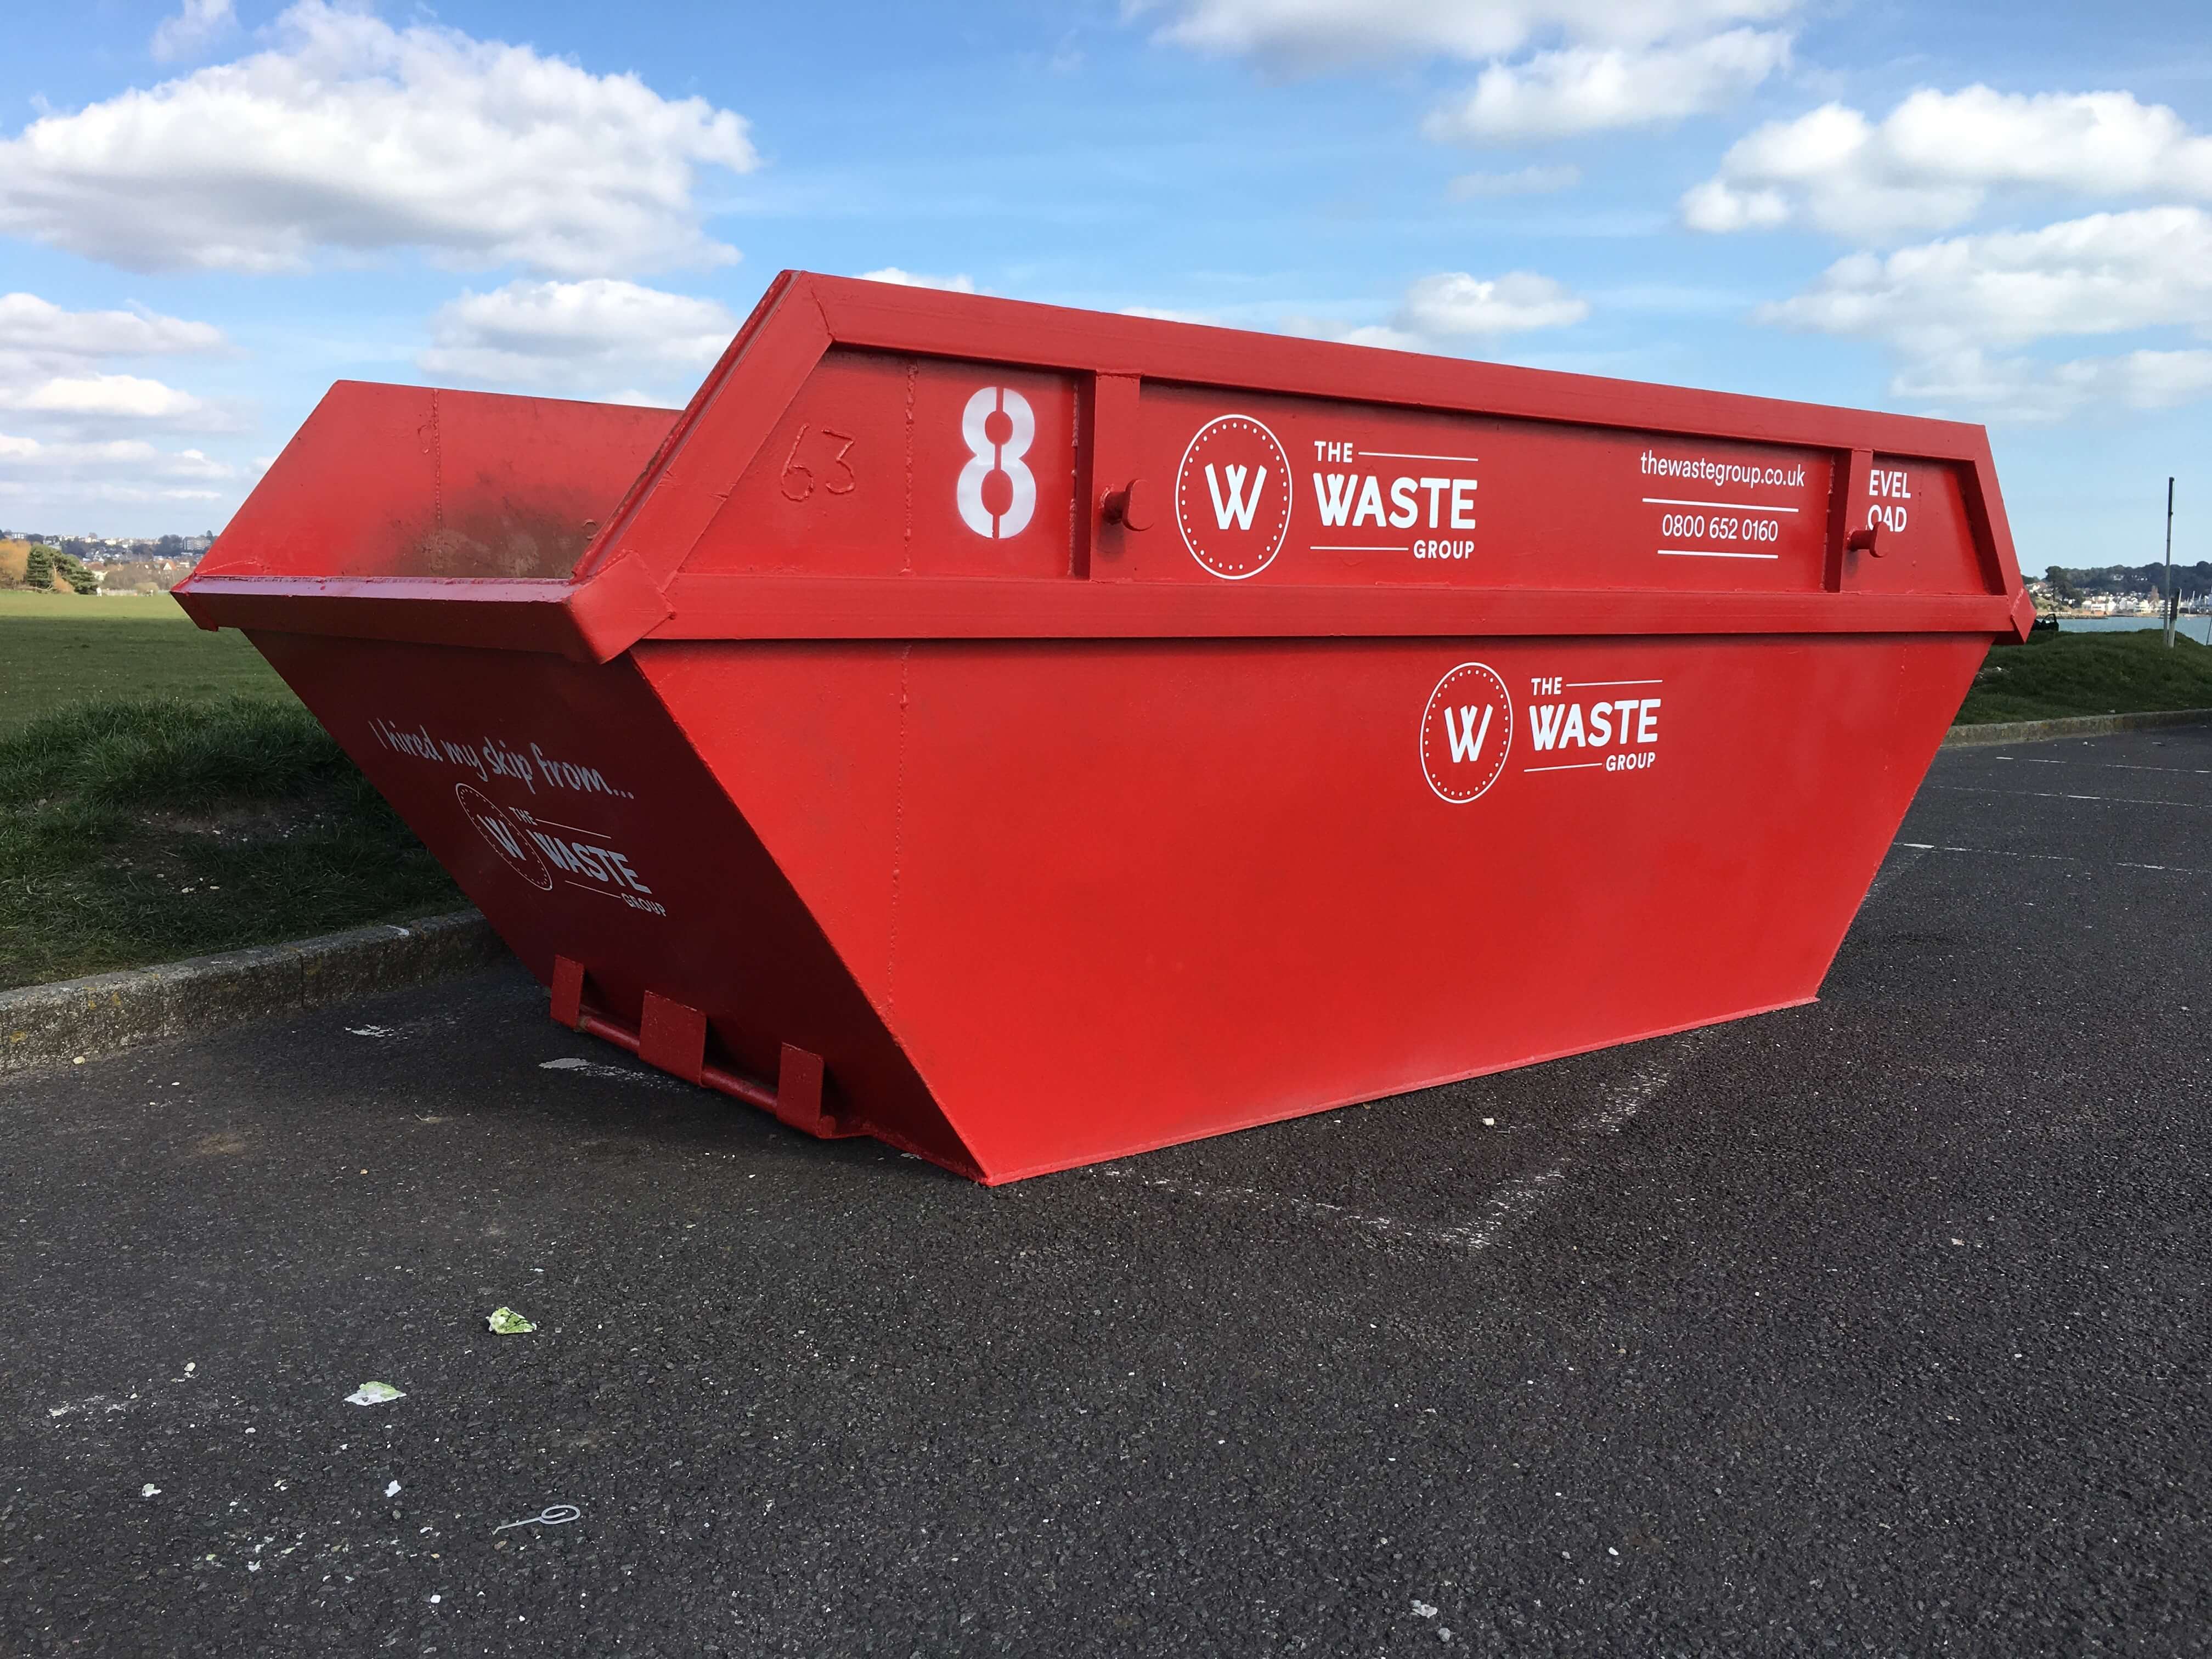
[1465,739]
[503,835]
[1239,506]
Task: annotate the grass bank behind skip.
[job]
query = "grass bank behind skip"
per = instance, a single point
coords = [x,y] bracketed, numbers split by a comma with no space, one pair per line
[136,830]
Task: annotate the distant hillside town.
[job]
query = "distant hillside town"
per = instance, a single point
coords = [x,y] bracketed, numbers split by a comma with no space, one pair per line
[2121,590]
[116,550]
[44,561]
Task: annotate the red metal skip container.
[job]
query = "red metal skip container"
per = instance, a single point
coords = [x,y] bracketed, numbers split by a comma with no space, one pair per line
[1029,737]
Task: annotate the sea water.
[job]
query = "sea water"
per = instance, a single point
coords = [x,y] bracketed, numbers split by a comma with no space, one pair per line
[2194,627]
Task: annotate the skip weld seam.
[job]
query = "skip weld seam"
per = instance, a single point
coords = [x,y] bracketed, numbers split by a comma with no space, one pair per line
[437,466]
[906,541]
[899,840]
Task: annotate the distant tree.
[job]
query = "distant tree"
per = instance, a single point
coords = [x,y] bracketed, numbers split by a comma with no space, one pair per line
[39,569]
[73,572]
[2061,586]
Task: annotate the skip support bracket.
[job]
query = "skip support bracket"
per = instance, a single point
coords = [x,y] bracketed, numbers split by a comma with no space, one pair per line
[672,1037]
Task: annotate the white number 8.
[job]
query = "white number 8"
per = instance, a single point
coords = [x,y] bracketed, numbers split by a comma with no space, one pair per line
[987,457]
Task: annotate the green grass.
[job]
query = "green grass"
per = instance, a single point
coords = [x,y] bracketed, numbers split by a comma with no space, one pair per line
[144,830]
[2054,675]
[59,649]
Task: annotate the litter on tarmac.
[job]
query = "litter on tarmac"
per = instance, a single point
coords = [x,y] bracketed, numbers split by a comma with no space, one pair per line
[554,1515]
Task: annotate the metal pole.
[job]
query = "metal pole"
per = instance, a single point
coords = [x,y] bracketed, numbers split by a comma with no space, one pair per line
[2169,564]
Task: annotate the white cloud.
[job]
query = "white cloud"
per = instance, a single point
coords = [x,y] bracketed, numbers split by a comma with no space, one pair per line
[1933,162]
[1598,89]
[1308,34]
[30,324]
[1597,65]
[1537,180]
[2027,391]
[1959,311]
[59,476]
[350,135]
[50,367]
[1383,337]
[960,284]
[2099,275]
[591,338]
[2145,380]
[133,452]
[1454,305]
[128,396]
[194,27]
[1162,314]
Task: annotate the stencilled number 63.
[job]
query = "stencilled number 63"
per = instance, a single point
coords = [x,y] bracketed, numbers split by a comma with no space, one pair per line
[997,426]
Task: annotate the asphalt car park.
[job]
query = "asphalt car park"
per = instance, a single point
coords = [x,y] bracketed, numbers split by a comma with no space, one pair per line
[1877,1326]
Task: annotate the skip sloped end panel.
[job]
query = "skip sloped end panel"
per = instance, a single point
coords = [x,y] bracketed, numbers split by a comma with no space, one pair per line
[806,737]
[1112,895]
[409,481]
[718,436]
[1929,679]
[570,809]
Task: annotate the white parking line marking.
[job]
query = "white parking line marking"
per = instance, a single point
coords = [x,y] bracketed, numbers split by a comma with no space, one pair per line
[1508,1206]
[1893,867]
[2054,858]
[2053,794]
[2112,766]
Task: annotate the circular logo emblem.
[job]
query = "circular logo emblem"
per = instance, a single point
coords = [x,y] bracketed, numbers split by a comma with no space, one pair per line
[505,836]
[1466,731]
[1233,496]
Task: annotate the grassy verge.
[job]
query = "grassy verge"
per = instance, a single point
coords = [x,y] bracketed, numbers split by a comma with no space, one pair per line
[58,649]
[141,831]
[2054,675]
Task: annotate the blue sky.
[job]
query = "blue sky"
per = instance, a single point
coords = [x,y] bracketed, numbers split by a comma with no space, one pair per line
[209,211]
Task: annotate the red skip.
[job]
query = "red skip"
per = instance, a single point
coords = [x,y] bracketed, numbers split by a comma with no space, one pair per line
[1029,737]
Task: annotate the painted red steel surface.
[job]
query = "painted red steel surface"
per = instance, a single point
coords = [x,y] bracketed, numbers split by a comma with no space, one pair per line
[1081,734]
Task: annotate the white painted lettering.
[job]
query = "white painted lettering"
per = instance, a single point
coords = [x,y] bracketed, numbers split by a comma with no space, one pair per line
[1238,507]
[1466,740]
[1333,495]
[1370,502]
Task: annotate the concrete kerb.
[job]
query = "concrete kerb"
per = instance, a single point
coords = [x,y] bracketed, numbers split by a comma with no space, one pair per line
[43,1026]
[2078,725]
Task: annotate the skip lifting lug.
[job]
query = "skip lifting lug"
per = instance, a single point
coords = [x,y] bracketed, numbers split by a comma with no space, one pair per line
[1130,507]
